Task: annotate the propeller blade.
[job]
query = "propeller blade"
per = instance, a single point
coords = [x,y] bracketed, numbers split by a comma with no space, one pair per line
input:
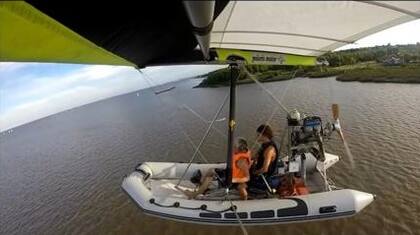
[346,145]
[349,154]
[335,111]
[340,133]
[337,125]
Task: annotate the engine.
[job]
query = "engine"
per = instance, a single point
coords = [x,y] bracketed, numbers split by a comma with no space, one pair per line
[307,129]
[305,134]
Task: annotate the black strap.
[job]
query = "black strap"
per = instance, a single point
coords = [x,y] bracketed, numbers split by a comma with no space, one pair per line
[203,31]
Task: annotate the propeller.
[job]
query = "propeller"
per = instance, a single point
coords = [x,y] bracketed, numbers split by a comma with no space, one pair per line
[337,127]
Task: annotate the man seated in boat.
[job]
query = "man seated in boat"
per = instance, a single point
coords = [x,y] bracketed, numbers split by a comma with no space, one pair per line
[241,163]
[266,160]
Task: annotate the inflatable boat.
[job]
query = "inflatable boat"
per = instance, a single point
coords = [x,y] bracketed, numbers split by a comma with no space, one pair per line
[153,187]
[217,32]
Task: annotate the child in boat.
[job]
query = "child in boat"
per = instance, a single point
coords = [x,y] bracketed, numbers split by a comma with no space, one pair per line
[241,163]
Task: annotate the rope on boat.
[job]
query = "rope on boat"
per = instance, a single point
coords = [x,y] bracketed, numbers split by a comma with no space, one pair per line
[203,119]
[234,208]
[203,138]
[196,149]
[152,87]
[265,89]
[201,155]
[202,207]
[272,95]
[183,106]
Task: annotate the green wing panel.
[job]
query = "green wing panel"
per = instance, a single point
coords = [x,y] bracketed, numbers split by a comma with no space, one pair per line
[28,35]
[261,57]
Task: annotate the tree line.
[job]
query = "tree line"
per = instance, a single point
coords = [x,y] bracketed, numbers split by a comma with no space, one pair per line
[407,53]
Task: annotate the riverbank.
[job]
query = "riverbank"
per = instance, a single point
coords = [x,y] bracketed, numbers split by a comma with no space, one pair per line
[221,77]
[371,72]
[362,72]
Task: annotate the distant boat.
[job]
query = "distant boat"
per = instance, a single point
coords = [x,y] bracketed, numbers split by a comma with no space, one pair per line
[138,94]
[164,90]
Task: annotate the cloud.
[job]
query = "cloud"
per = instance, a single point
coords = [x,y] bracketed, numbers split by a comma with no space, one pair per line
[11,66]
[40,108]
[38,97]
[407,33]
[32,87]
[65,100]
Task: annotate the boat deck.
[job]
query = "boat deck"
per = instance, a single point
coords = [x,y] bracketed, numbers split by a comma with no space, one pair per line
[168,188]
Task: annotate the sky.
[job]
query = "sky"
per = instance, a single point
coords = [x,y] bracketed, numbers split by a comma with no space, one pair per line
[30,91]
[407,33]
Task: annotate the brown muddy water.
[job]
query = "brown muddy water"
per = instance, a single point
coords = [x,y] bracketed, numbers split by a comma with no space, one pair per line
[62,174]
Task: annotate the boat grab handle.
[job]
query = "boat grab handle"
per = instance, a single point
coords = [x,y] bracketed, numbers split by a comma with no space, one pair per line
[142,172]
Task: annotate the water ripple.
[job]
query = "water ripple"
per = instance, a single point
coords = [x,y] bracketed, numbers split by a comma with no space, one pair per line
[62,174]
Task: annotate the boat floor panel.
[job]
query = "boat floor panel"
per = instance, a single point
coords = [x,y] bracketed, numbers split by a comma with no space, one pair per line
[167,188]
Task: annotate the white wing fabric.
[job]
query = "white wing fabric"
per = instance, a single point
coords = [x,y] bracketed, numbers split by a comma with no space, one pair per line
[305,27]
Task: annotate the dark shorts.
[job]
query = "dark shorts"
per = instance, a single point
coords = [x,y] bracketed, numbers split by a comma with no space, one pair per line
[258,182]
[221,178]
[220,174]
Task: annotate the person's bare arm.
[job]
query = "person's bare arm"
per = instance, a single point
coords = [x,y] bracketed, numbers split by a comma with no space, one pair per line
[269,155]
[254,154]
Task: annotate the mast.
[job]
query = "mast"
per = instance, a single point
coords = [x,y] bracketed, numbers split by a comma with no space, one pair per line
[231,124]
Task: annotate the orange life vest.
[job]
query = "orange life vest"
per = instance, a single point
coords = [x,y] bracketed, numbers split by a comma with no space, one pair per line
[238,175]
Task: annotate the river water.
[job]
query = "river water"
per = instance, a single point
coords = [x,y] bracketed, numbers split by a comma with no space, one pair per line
[62,174]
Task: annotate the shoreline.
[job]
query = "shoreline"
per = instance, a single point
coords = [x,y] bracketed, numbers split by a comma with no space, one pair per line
[362,72]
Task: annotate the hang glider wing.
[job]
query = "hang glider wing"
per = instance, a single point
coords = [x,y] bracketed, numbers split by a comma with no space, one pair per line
[272,32]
